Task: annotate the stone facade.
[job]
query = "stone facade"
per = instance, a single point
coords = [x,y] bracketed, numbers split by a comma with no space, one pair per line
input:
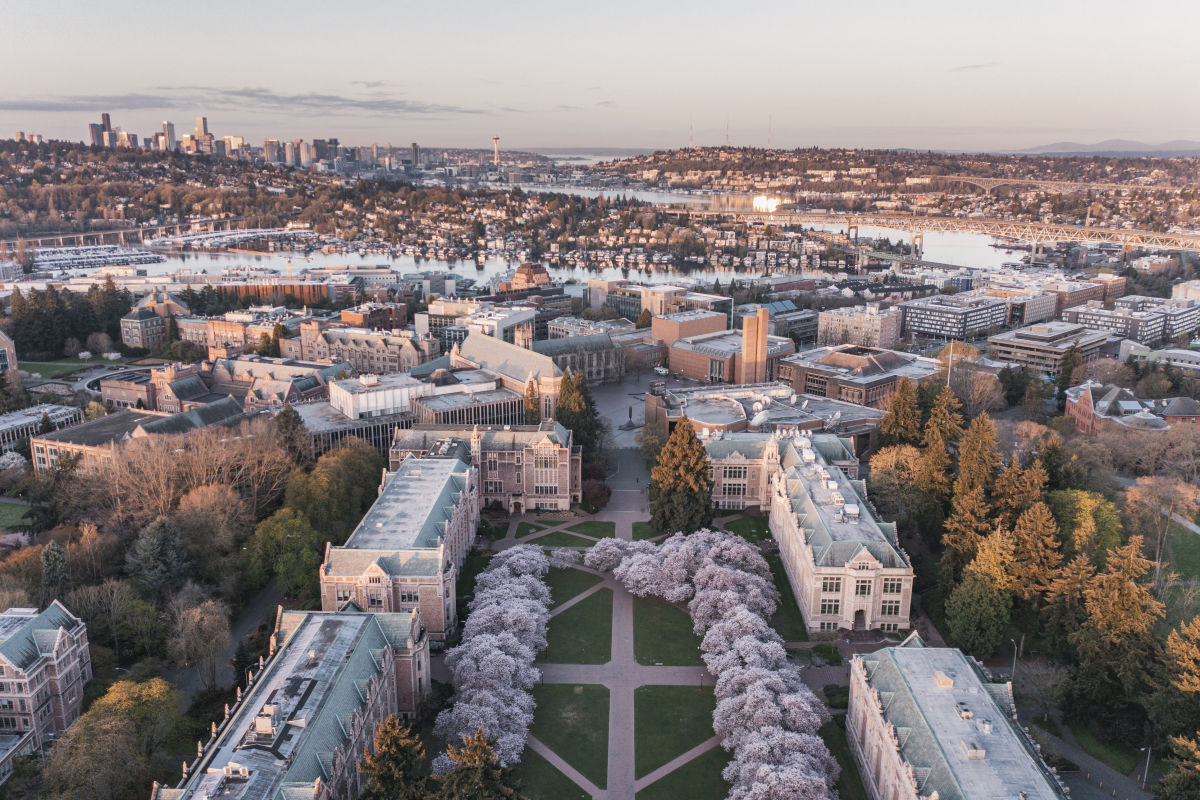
[379,352]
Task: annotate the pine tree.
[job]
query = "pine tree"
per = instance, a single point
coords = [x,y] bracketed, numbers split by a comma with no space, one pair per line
[969,523]
[945,419]
[396,768]
[293,435]
[46,425]
[1038,549]
[934,475]
[1176,703]
[533,405]
[54,570]
[241,662]
[475,773]
[979,609]
[644,319]
[1183,778]
[577,413]
[1018,488]
[157,559]
[1116,643]
[1063,611]
[680,486]
[1072,359]
[902,422]
[977,457]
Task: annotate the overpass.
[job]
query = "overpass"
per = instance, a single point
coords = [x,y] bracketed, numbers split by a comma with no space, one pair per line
[132,235]
[1034,232]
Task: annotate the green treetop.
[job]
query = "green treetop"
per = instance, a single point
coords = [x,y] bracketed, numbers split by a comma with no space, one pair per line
[977,457]
[902,422]
[680,487]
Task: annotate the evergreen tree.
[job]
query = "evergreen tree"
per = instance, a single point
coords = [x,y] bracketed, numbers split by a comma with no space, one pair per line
[902,422]
[1116,643]
[644,319]
[46,425]
[292,433]
[1176,706]
[396,768]
[968,524]
[1090,523]
[157,560]
[680,486]
[54,571]
[979,609]
[977,457]
[933,477]
[1063,611]
[1018,488]
[1038,549]
[1182,780]
[475,774]
[533,405]
[1033,402]
[945,419]
[577,413]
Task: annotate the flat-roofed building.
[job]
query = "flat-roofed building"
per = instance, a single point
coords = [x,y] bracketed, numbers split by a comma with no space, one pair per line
[785,319]
[867,376]
[410,546]
[926,722]
[8,353]
[310,715]
[17,426]
[1042,346]
[953,316]
[376,316]
[563,327]
[746,356]
[521,467]
[1144,327]
[1025,306]
[327,427]
[45,662]
[682,324]
[868,326]
[845,566]
[714,410]
[1069,294]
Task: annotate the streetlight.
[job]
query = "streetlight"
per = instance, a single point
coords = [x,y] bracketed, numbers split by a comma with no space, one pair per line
[1013,679]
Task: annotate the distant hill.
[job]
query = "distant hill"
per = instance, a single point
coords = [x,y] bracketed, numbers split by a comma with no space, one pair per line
[1117,147]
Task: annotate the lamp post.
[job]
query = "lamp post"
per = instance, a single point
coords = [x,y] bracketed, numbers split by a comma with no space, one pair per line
[1013,679]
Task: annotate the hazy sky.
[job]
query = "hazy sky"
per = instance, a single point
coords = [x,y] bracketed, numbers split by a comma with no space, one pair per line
[945,74]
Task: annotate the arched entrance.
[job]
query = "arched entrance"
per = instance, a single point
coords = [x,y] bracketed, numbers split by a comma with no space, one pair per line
[860,620]
[516,509]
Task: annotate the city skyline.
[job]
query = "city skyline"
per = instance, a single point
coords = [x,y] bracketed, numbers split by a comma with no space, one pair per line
[623,76]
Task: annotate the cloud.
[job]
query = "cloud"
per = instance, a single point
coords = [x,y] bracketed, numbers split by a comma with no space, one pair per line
[974,67]
[607,103]
[245,98]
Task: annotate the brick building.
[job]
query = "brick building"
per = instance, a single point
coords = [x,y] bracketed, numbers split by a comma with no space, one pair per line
[748,356]
[867,376]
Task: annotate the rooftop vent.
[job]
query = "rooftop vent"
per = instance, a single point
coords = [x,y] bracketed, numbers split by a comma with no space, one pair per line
[973,751]
[943,680]
[963,711]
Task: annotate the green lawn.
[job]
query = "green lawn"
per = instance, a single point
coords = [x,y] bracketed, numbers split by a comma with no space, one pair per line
[12,516]
[752,529]
[583,633]
[541,780]
[1117,755]
[475,563]
[643,530]
[788,620]
[827,653]
[849,783]
[56,369]
[662,634]
[565,583]
[526,528]
[698,779]
[561,539]
[1183,552]
[572,720]
[595,528]
[667,722]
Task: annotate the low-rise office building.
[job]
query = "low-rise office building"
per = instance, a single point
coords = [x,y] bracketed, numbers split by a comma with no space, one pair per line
[746,356]
[17,426]
[408,550]
[1145,327]
[521,468]
[867,376]
[927,722]
[963,316]
[784,319]
[310,713]
[683,324]
[867,326]
[1042,346]
[563,327]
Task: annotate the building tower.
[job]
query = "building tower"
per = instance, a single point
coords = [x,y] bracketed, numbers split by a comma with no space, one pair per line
[495,151]
[169,135]
[105,122]
[416,155]
[201,127]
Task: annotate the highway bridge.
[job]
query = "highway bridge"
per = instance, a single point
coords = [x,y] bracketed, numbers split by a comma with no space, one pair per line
[1061,187]
[1036,233]
[132,235]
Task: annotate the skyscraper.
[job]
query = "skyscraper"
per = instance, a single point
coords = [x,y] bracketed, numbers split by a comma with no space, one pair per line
[201,127]
[105,122]
[168,135]
[290,155]
[416,154]
[96,131]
